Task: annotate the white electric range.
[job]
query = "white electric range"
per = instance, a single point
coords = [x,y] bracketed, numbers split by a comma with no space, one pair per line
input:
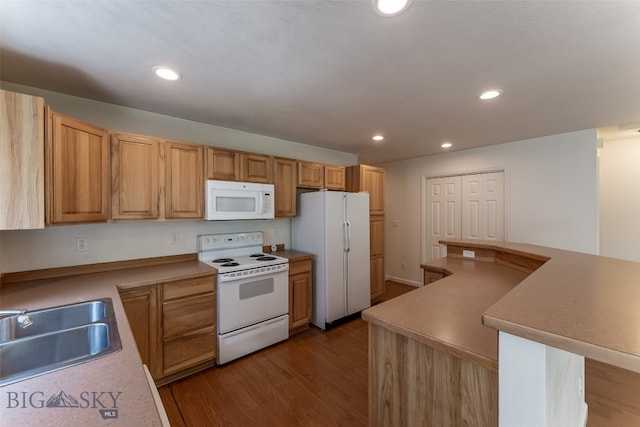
[252,293]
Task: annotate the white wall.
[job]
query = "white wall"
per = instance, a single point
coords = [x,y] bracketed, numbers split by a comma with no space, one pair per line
[55,246]
[551,195]
[620,199]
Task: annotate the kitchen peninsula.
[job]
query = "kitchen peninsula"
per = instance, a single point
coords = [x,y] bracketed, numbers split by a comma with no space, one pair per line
[433,362]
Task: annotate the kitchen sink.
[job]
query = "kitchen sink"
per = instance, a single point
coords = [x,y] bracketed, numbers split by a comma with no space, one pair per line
[73,334]
[53,319]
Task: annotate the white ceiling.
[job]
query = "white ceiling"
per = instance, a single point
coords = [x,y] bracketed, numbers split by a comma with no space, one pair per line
[332,73]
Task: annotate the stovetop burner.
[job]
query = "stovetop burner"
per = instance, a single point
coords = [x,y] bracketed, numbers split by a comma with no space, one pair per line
[238,252]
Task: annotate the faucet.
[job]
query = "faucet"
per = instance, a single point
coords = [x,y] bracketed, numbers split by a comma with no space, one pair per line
[23,318]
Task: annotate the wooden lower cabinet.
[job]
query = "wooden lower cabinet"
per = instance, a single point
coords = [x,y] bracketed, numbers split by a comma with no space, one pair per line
[141,306]
[174,325]
[188,324]
[300,288]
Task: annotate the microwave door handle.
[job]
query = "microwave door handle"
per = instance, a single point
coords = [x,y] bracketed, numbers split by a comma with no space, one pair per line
[260,202]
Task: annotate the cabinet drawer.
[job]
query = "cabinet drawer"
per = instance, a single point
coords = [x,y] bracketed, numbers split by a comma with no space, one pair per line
[188,314]
[185,288]
[189,349]
[299,267]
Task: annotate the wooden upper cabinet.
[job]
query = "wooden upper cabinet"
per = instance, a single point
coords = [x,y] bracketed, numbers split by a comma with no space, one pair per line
[77,156]
[223,164]
[284,178]
[184,180]
[334,177]
[310,175]
[256,168]
[22,136]
[135,180]
[369,179]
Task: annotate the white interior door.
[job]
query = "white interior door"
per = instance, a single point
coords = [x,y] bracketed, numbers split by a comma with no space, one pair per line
[483,206]
[463,207]
[443,213]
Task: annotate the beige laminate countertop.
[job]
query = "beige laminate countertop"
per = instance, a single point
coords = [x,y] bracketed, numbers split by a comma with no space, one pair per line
[90,383]
[293,255]
[585,304]
[446,314]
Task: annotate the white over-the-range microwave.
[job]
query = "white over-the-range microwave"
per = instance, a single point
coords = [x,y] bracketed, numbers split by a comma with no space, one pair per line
[229,200]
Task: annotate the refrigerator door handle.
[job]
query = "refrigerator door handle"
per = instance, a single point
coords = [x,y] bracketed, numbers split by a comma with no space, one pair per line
[347,237]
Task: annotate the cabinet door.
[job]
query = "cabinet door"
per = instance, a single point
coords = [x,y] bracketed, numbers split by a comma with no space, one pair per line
[184,184]
[21,161]
[223,164]
[300,295]
[376,235]
[334,177]
[285,186]
[377,278]
[256,168]
[135,181]
[310,175]
[373,182]
[142,307]
[78,158]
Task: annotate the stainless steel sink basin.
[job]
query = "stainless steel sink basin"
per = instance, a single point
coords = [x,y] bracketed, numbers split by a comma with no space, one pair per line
[53,319]
[61,337]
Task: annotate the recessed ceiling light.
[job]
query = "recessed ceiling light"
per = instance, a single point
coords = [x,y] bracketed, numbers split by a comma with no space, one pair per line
[446,145]
[490,94]
[390,7]
[377,137]
[166,73]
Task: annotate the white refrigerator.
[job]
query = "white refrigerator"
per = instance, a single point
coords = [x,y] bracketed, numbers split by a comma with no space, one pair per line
[334,226]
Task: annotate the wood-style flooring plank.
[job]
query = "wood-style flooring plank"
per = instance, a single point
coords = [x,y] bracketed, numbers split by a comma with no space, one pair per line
[170,407]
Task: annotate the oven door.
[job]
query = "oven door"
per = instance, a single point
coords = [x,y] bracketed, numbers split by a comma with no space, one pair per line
[252,300]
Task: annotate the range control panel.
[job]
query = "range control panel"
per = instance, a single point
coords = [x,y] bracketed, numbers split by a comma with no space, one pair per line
[212,242]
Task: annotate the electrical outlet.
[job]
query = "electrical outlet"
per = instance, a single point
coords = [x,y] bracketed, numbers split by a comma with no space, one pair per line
[82,244]
[469,254]
[174,238]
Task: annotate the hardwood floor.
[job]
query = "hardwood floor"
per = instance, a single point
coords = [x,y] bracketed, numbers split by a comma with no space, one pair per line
[313,379]
[321,379]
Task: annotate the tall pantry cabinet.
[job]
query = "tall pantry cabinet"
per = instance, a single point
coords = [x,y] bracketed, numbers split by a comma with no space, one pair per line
[371,179]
